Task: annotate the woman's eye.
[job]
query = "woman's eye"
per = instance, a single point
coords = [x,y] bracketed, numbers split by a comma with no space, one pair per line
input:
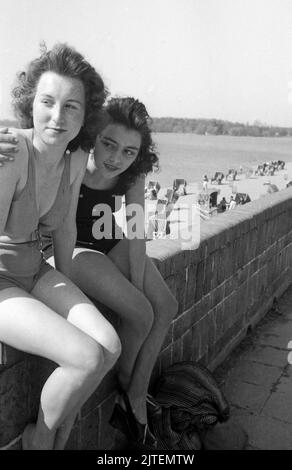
[71,106]
[130,153]
[107,145]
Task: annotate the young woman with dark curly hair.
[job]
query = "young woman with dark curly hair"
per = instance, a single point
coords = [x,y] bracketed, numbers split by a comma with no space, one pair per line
[58,99]
[114,269]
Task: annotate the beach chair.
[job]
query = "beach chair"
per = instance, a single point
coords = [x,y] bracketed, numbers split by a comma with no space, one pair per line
[231,175]
[281,164]
[155,185]
[161,206]
[169,195]
[179,186]
[213,199]
[218,177]
[157,227]
[152,194]
[203,199]
[242,198]
[152,190]
[157,222]
[269,170]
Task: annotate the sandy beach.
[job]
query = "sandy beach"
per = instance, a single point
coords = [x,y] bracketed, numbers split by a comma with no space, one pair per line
[183,210]
[254,186]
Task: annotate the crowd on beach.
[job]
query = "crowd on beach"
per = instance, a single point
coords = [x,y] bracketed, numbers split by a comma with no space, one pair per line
[240,198]
[208,195]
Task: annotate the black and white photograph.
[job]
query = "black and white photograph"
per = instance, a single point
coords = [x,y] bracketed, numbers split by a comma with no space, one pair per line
[145,228]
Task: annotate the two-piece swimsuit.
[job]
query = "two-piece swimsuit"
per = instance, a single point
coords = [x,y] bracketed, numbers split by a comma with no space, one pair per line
[22,264]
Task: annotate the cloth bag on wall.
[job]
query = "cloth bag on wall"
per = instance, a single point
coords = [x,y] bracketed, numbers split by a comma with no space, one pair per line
[188,405]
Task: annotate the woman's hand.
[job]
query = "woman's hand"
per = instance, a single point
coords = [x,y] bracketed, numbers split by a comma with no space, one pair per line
[8,145]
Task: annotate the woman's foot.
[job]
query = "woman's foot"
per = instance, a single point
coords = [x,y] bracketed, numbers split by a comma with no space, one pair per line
[125,420]
[27,437]
[137,406]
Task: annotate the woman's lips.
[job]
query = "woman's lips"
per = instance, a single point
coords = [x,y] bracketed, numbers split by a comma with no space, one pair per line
[56,130]
[110,167]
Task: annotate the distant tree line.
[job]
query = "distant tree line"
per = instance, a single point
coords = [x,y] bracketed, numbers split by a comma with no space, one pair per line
[204,127]
[218,127]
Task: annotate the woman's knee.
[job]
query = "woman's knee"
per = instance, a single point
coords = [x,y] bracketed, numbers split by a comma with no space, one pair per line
[92,359]
[100,356]
[100,349]
[86,359]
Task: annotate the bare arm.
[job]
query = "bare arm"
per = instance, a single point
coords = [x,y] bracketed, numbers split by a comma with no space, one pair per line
[64,238]
[10,176]
[135,204]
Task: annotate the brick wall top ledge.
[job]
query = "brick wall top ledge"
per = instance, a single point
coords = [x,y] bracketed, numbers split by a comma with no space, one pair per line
[221,229]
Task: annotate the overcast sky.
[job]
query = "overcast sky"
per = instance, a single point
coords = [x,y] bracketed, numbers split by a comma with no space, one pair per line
[225,59]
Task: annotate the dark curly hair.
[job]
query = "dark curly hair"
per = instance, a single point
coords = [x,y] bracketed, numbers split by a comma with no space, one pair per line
[66,61]
[132,114]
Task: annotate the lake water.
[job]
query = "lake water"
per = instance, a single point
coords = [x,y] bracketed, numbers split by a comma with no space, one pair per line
[190,156]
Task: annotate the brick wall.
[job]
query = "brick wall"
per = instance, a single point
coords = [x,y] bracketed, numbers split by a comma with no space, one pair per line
[224,284]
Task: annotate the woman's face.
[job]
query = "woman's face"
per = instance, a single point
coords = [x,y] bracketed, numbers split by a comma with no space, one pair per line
[58,109]
[116,149]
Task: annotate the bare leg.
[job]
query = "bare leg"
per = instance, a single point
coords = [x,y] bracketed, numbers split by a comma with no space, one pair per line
[29,325]
[99,278]
[63,432]
[165,308]
[91,322]
[107,280]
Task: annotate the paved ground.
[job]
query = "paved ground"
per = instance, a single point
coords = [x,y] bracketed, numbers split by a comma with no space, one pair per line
[257,380]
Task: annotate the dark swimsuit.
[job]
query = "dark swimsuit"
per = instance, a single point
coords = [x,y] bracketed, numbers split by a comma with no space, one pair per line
[96,225]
